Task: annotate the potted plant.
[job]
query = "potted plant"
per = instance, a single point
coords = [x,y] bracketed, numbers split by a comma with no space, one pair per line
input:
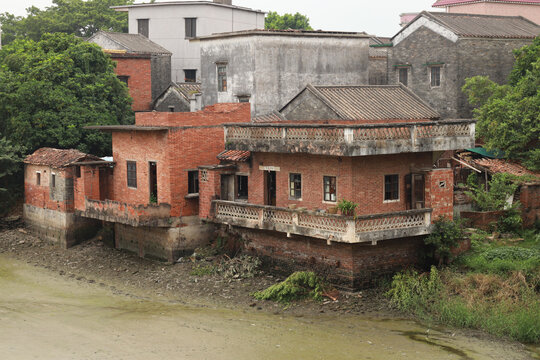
[346,207]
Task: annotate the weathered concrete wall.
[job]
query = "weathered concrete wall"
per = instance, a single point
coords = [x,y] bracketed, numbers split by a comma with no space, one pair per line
[166,244]
[272,69]
[172,98]
[167,28]
[161,74]
[348,265]
[308,107]
[528,11]
[65,229]
[378,70]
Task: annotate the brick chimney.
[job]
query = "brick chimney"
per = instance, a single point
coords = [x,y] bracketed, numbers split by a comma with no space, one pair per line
[225,2]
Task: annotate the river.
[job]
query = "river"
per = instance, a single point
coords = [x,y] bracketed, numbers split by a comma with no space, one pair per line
[46,316]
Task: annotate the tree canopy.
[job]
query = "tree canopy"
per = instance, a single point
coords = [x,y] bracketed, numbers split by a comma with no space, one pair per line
[286,21]
[509,115]
[51,89]
[77,17]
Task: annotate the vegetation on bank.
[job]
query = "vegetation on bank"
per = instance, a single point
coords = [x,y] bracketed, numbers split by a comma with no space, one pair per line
[300,285]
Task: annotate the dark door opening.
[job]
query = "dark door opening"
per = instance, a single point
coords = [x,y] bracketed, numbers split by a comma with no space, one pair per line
[227,187]
[270,188]
[415,184]
[152,171]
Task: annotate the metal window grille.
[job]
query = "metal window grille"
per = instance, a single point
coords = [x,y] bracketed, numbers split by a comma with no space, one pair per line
[435,76]
[329,188]
[132,174]
[193,182]
[391,187]
[222,78]
[295,186]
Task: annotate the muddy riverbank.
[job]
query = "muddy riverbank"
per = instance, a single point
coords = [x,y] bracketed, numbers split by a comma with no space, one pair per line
[95,302]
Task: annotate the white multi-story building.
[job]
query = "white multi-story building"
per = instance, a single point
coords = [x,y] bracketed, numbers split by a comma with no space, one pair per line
[173,24]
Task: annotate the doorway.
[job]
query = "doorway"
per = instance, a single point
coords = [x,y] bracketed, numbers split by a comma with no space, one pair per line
[270,188]
[415,184]
[152,172]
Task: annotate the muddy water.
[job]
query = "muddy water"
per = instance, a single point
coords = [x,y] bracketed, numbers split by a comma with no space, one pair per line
[45,316]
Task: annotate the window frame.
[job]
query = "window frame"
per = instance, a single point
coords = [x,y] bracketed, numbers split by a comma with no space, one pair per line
[293,188]
[391,191]
[439,80]
[131,174]
[406,69]
[193,184]
[53,180]
[222,85]
[38,178]
[124,79]
[147,34]
[325,200]
[192,79]
[191,29]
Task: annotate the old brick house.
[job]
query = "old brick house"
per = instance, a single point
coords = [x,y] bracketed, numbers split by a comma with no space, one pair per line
[142,64]
[436,52]
[373,145]
[179,97]
[49,197]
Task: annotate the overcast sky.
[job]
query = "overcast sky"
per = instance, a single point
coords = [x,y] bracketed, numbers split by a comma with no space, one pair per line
[372,16]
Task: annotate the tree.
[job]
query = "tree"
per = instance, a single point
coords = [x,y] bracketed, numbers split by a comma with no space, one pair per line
[77,17]
[51,89]
[509,115]
[10,162]
[286,21]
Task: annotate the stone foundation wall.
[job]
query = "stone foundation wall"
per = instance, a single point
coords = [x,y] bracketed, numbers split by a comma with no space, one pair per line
[66,229]
[346,265]
[166,244]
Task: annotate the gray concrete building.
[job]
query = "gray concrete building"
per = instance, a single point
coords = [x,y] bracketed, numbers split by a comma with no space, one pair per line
[179,97]
[436,52]
[173,24]
[268,67]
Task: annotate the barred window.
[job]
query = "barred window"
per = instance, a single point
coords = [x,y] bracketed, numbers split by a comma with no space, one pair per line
[435,76]
[329,188]
[222,78]
[193,182]
[131,174]
[404,76]
[241,187]
[391,187]
[295,186]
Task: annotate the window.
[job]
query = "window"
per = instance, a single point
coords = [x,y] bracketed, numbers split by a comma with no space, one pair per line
[77,171]
[243,98]
[53,180]
[190,75]
[142,27]
[191,27]
[132,174]
[391,187]
[435,76]
[403,75]
[329,188]
[193,182]
[241,187]
[222,77]
[171,108]
[124,79]
[295,186]
[38,178]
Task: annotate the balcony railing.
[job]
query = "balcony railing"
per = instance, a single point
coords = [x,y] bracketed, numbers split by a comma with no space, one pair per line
[369,228]
[352,140]
[128,214]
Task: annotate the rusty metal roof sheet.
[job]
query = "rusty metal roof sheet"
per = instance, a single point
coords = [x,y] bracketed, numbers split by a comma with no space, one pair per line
[485,26]
[58,158]
[503,166]
[234,155]
[373,102]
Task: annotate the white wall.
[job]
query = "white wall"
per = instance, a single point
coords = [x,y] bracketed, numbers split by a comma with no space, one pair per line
[167,28]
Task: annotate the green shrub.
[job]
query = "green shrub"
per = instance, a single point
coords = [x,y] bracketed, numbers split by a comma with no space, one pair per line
[511,253]
[300,285]
[346,207]
[445,236]
[511,221]
[412,292]
[500,188]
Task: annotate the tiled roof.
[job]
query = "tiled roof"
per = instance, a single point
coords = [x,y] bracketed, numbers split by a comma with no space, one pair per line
[288,32]
[272,117]
[373,102]
[503,166]
[444,3]
[133,43]
[234,155]
[58,158]
[187,89]
[485,26]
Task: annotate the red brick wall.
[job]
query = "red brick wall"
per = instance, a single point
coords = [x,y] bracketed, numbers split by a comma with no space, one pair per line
[39,195]
[211,115]
[208,191]
[140,80]
[530,204]
[440,199]
[359,179]
[93,186]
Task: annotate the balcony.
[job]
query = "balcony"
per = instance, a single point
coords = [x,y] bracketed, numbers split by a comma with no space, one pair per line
[128,214]
[336,228]
[351,140]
